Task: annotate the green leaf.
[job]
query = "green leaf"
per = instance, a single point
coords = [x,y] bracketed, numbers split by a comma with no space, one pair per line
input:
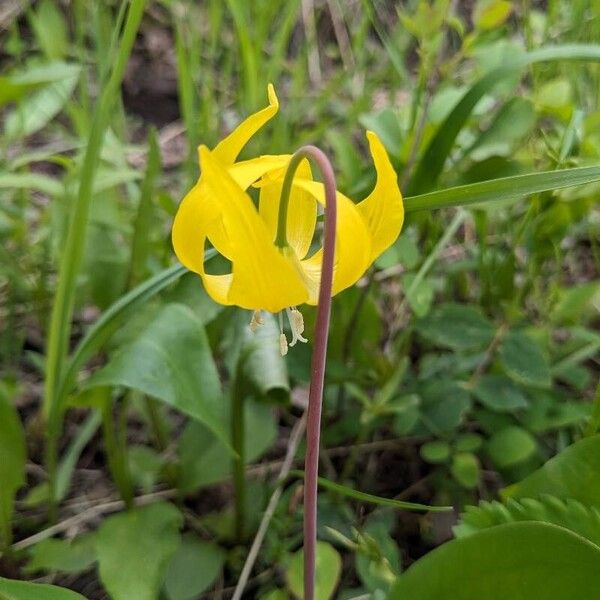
[68,556]
[134,549]
[520,561]
[504,188]
[489,14]
[262,365]
[36,111]
[574,473]
[31,181]
[524,360]
[444,405]
[435,452]
[193,568]
[433,159]
[457,326]
[204,458]
[328,571]
[576,303]
[499,393]
[170,360]
[465,469]
[24,590]
[419,296]
[511,446]
[570,514]
[12,464]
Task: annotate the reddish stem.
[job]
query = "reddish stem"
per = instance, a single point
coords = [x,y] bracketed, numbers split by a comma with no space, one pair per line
[315,398]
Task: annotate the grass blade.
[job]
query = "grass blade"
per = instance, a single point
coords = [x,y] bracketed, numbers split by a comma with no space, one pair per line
[502,189]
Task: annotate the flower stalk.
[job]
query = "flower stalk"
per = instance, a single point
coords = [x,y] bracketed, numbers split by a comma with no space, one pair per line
[315,398]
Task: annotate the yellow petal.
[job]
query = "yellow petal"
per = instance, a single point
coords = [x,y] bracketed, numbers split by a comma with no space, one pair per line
[228,149]
[302,209]
[246,172]
[353,244]
[382,210]
[263,277]
[192,221]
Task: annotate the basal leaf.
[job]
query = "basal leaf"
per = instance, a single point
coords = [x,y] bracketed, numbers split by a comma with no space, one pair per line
[134,549]
[24,590]
[520,561]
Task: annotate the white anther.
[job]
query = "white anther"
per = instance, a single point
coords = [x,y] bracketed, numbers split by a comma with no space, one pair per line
[256,321]
[296,325]
[283,344]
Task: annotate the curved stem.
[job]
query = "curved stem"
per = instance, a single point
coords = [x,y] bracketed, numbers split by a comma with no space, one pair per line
[313,427]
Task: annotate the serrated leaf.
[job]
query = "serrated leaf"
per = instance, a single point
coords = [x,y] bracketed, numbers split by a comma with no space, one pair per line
[570,514]
[520,561]
[524,361]
[134,549]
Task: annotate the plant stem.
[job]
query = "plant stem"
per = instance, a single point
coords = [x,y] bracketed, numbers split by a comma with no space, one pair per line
[315,396]
[238,441]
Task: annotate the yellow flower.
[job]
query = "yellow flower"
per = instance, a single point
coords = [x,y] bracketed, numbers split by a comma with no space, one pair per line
[265,276]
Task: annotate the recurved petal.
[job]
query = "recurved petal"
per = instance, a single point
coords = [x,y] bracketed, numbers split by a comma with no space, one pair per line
[302,208]
[263,277]
[228,148]
[353,244]
[382,210]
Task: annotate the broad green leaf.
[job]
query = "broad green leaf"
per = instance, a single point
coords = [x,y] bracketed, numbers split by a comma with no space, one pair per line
[204,459]
[520,561]
[171,361]
[524,360]
[68,556]
[499,393]
[505,188]
[444,405]
[261,361]
[12,464]
[574,473]
[328,571]
[570,514]
[193,568]
[457,326]
[113,317]
[50,29]
[134,549]
[24,590]
[511,446]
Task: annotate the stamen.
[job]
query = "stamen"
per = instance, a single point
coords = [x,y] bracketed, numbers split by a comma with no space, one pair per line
[296,325]
[256,321]
[283,344]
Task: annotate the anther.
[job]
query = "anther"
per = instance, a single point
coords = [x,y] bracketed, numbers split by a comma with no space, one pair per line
[296,325]
[283,344]
[256,321]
